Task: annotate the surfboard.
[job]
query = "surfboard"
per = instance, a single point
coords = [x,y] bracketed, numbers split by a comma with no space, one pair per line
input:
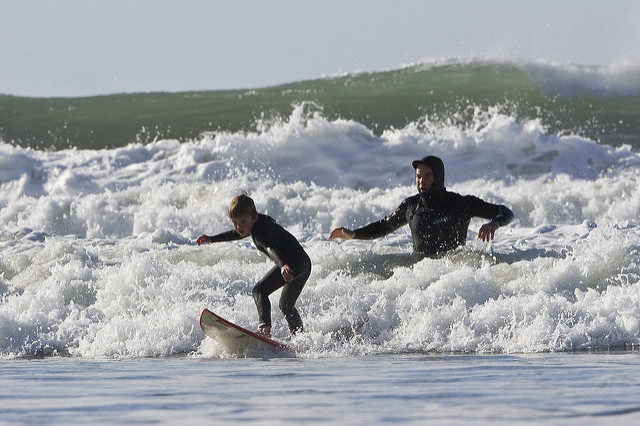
[232,336]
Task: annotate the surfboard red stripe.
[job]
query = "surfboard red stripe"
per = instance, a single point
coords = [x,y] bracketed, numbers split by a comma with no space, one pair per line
[228,323]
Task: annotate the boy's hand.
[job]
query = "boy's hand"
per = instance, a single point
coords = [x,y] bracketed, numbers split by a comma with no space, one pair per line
[203,239]
[287,273]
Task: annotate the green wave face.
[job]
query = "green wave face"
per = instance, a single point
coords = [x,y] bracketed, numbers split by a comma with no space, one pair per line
[601,104]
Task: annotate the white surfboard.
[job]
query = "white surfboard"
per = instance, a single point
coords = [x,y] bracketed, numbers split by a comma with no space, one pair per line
[235,338]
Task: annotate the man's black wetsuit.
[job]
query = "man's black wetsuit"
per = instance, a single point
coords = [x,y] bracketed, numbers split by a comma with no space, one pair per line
[437,224]
[438,219]
[283,248]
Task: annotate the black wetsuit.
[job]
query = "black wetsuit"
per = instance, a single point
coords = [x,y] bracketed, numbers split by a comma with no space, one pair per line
[438,219]
[438,222]
[283,248]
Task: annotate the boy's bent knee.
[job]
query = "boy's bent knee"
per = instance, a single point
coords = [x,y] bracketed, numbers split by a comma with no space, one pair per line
[256,292]
[286,307]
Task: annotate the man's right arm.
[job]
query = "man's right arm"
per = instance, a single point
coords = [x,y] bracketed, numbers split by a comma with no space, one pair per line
[376,229]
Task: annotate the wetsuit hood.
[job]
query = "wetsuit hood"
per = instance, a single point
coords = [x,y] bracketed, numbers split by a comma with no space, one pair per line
[437,167]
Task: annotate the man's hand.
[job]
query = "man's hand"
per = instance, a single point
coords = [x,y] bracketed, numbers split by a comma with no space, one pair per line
[287,273]
[488,230]
[203,239]
[342,232]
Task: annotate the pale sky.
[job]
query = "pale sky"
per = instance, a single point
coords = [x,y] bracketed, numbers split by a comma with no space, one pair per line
[88,47]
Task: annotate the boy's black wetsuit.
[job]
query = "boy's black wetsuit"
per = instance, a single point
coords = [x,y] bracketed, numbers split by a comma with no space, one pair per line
[283,248]
[438,219]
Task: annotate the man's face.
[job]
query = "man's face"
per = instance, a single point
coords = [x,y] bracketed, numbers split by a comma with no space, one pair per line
[243,224]
[424,178]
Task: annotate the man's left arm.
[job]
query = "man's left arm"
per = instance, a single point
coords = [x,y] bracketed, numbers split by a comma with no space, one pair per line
[500,215]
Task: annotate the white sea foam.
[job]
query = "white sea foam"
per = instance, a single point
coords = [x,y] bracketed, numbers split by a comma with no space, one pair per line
[98,256]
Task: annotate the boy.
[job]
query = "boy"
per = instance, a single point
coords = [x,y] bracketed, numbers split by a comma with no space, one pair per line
[293,265]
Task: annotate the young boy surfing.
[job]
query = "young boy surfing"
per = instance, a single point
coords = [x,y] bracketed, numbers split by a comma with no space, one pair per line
[293,265]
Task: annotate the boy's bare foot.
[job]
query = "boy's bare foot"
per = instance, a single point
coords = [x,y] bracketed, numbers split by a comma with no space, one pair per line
[265,330]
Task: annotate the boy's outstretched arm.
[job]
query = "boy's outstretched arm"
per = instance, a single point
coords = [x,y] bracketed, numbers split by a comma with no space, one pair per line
[225,236]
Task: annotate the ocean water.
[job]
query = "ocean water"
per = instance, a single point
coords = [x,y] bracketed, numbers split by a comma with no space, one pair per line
[101,283]
[598,103]
[556,388]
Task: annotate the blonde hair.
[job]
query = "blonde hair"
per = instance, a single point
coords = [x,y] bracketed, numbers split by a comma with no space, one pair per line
[242,205]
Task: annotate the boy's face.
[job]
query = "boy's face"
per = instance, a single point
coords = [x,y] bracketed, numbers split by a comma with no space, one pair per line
[243,224]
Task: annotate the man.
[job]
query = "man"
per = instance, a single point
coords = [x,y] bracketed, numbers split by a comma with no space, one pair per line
[438,219]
